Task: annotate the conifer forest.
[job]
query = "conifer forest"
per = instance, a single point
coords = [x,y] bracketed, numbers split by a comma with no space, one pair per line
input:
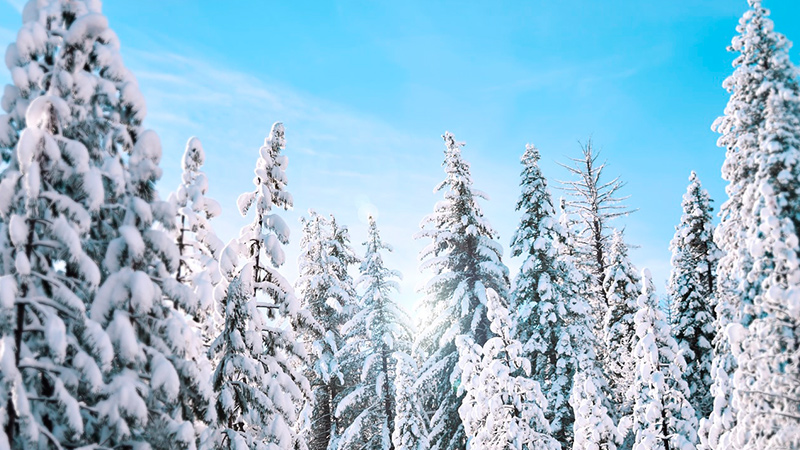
[127,322]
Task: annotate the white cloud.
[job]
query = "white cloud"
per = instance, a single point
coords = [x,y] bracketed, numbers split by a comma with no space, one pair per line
[336,155]
[17,4]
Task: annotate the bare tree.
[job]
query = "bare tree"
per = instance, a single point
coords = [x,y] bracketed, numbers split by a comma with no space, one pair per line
[592,204]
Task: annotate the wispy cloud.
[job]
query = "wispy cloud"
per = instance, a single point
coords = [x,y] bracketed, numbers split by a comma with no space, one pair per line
[17,4]
[336,155]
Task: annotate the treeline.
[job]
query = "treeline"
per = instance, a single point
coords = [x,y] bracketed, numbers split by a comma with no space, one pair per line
[127,323]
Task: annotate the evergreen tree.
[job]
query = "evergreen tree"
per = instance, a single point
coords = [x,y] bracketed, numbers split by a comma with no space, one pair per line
[328,293]
[30,59]
[465,261]
[258,389]
[691,291]
[766,344]
[755,388]
[662,418]
[594,204]
[553,321]
[53,354]
[503,407]
[154,389]
[622,286]
[410,424]
[372,336]
[198,245]
[594,425]
[66,50]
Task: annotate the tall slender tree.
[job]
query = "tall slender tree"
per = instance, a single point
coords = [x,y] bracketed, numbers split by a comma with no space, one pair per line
[465,261]
[410,424]
[372,337]
[691,291]
[328,293]
[663,418]
[622,286]
[503,407]
[199,246]
[554,322]
[593,203]
[755,377]
[258,388]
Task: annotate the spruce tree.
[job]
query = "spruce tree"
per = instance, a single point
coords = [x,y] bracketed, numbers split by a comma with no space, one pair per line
[503,407]
[328,293]
[766,343]
[258,388]
[691,291]
[410,424]
[662,418]
[754,369]
[68,52]
[465,261]
[372,336]
[154,390]
[53,354]
[622,286]
[554,322]
[198,245]
[594,425]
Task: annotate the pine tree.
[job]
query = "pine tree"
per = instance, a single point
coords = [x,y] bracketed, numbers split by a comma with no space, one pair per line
[66,50]
[755,388]
[594,204]
[691,290]
[662,418]
[198,245]
[465,261]
[53,353]
[410,424]
[553,321]
[766,344]
[155,388]
[258,389]
[371,338]
[622,286]
[594,425]
[328,293]
[29,59]
[502,407]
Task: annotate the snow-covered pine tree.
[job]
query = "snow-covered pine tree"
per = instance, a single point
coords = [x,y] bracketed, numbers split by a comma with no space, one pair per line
[328,293]
[465,261]
[53,354]
[553,321]
[155,389]
[372,336]
[594,425]
[662,418]
[258,389]
[593,203]
[623,287]
[766,343]
[29,60]
[198,245]
[410,423]
[757,406]
[691,291]
[66,50]
[503,408]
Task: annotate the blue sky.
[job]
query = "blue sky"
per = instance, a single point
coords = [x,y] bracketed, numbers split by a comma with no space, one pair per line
[366,89]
